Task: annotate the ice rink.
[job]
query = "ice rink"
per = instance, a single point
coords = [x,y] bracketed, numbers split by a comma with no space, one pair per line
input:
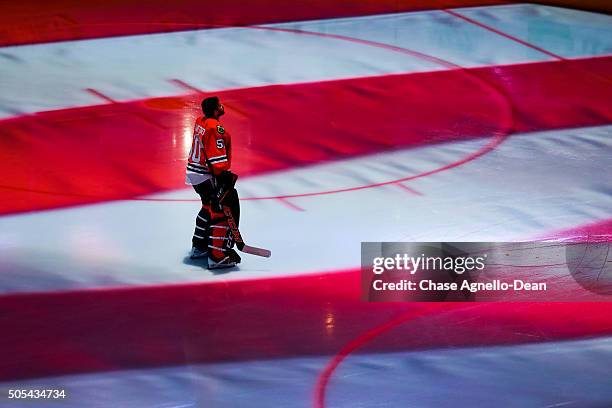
[489,123]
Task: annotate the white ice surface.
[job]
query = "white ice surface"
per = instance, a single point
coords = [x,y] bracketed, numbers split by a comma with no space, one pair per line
[52,76]
[532,184]
[564,32]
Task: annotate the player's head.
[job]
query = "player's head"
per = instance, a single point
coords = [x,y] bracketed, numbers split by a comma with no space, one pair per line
[212,108]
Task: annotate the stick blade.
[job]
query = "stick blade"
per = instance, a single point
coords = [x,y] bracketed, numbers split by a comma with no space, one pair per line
[266,253]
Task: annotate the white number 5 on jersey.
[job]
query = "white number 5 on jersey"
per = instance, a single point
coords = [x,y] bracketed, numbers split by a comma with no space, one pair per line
[220,144]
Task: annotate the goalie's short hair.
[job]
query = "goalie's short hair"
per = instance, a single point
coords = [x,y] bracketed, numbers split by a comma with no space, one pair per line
[209,105]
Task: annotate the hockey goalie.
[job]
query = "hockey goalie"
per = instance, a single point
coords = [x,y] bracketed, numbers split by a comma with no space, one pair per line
[208,171]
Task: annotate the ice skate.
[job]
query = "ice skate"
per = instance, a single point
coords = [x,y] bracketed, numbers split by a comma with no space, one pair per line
[197,253]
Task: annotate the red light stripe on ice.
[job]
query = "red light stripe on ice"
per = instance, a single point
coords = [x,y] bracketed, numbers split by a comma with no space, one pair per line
[597,232]
[125,150]
[38,21]
[258,319]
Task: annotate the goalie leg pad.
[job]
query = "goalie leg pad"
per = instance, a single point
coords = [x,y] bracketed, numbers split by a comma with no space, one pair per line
[202,230]
[233,202]
[220,239]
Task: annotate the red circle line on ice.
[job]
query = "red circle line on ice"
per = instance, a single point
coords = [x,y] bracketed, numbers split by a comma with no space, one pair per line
[506,121]
[362,340]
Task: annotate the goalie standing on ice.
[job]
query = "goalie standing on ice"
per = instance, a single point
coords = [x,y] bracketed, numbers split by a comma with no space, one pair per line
[208,171]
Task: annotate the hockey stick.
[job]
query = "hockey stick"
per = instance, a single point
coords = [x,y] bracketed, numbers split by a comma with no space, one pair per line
[238,238]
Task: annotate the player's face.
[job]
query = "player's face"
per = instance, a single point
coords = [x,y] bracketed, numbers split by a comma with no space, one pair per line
[220,110]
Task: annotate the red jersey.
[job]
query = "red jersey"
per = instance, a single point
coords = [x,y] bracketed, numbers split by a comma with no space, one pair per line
[210,150]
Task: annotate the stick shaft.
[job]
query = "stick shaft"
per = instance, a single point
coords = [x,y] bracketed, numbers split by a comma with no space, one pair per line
[238,238]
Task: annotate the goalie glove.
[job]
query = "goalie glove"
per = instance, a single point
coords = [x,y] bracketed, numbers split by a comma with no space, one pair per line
[224,183]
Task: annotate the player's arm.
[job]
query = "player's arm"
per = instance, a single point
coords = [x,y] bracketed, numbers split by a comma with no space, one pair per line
[217,152]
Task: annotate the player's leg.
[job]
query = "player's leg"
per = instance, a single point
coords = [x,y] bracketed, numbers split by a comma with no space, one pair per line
[202,222]
[221,241]
[199,240]
[233,202]
[220,248]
